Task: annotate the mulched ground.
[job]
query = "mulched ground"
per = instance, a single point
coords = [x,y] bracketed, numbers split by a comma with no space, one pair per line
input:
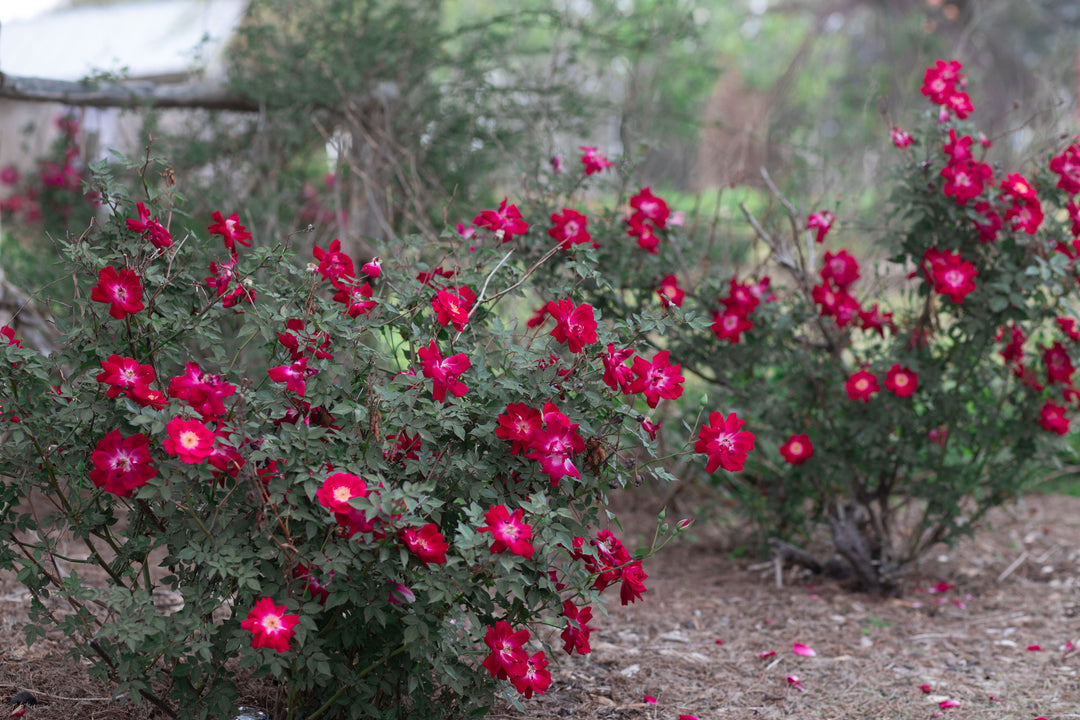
[695,643]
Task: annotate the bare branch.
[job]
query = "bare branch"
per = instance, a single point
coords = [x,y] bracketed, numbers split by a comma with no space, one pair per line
[130,94]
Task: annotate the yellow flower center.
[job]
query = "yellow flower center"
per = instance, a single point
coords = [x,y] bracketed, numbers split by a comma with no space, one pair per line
[189,439]
[272,623]
[342,493]
[795,448]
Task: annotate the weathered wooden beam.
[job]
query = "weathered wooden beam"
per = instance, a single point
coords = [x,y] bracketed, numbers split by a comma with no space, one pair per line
[127,94]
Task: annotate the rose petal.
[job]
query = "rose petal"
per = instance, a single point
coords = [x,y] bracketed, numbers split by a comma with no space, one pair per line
[650,699]
[719,642]
[767,654]
[946,704]
[800,649]
[1034,648]
[926,689]
[795,682]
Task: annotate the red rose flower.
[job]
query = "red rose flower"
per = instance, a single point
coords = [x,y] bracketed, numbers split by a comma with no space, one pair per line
[338,489]
[505,222]
[1052,418]
[724,442]
[862,385]
[952,275]
[741,298]
[797,450]
[444,372]
[555,444]
[1059,367]
[121,464]
[1068,326]
[1025,214]
[645,232]
[124,375]
[571,228]
[203,391]
[574,326]
[121,290]
[730,325]
[835,303]
[222,275]
[616,375]
[518,425]
[958,148]
[656,379]
[939,81]
[453,306]
[841,268]
[9,333]
[530,675]
[633,583]
[576,634]
[1067,165]
[356,298]
[373,268]
[965,180]
[876,320]
[822,222]
[670,292]
[649,428]
[900,138]
[506,650]
[651,207]
[940,86]
[510,531]
[293,375]
[901,381]
[333,264]
[230,230]
[189,440]
[270,626]
[427,543]
[593,161]
[151,229]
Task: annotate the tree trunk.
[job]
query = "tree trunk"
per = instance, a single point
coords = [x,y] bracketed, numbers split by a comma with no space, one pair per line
[875,573]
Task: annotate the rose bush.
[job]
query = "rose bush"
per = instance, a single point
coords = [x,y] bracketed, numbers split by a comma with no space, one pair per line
[378,486]
[894,401]
[374,485]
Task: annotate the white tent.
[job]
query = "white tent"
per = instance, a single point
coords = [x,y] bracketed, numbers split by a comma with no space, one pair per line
[160,39]
[164,41]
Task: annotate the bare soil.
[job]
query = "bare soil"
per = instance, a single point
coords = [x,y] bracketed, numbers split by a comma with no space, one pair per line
[695,642]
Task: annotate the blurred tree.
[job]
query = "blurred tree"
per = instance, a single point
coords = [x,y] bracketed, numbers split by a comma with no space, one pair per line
[410,106]
[837,73]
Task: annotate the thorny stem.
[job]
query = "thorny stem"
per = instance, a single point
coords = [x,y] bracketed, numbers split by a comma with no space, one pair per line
[363,673]
[547,256]
[188,507]
[799,274]
[56,582]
